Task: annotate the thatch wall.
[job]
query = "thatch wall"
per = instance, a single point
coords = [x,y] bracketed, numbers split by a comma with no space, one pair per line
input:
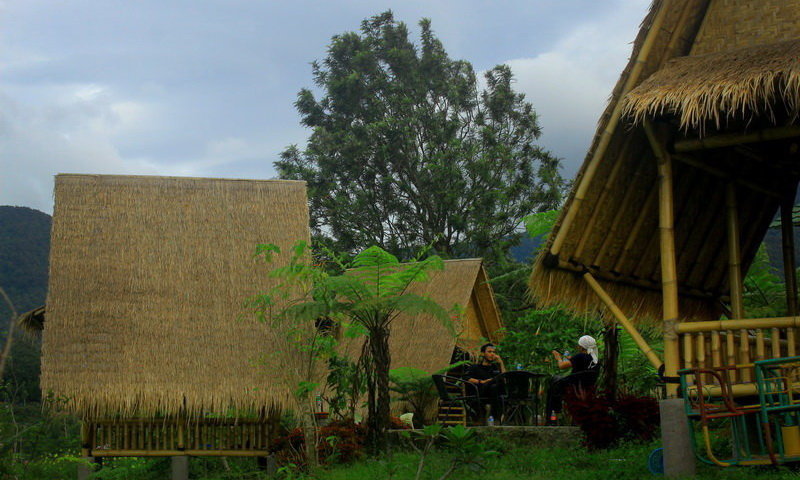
[148,276]
[614,234]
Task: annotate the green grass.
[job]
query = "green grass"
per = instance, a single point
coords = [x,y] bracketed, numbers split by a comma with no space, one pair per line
[627,462]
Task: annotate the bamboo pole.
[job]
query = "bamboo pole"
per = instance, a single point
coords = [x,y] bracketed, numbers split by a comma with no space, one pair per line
[776,343]
[652,197]
[688,355]
[729,140]
[589,225]
[669,280]
[760,347]
[608,132]
[701,354]
[789,267]
[624,321]
[735,276]
[86,444]
[716,353]
[718,172]
[730,352]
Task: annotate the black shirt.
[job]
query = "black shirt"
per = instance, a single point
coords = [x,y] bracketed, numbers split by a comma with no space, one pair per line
[483,372]
[581,362]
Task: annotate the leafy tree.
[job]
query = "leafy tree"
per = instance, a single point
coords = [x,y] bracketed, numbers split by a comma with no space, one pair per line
[370,294]
[407,151]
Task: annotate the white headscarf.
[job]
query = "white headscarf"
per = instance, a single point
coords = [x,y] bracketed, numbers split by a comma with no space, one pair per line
[590,345]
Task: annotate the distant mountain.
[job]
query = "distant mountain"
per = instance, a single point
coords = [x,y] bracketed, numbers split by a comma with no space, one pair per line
[24,254]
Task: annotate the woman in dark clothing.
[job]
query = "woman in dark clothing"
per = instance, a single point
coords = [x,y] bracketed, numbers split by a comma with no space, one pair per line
[483,374]
[585,360]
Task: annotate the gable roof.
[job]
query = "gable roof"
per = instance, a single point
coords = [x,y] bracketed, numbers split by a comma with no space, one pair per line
[423,342]
[609,224]
[148,278]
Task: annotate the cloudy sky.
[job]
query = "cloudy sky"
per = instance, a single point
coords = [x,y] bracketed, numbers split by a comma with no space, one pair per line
[205,88]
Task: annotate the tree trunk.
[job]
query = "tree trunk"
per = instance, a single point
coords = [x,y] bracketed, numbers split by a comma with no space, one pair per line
[6,352]
[378,420]
[610,359]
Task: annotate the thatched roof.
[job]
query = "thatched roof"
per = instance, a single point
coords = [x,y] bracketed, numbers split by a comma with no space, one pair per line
[148,277]
[32,322]
[421,341]
[613,208]
[716,87]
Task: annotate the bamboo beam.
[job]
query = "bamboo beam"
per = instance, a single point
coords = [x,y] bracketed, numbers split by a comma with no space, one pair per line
[608,132]
[750,323]
[718,172]
[735,274]
[669,279]
[648,205]
[576,267]
[624,321]
[172,453]
[589,225]
[729,140]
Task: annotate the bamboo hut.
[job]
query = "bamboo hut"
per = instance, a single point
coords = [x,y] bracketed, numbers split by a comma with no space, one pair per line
[694,156]
[425,343]
[420,341]
[146,337]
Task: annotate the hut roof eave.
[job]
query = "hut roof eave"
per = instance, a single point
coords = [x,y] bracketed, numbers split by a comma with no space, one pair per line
[710,88]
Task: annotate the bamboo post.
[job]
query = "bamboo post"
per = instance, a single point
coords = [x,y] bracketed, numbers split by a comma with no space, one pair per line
[624,321]
[669,280]
[776,343]
[735,276]
[716,353]
[730,352]
[789,267]
[608,132]
[760,347]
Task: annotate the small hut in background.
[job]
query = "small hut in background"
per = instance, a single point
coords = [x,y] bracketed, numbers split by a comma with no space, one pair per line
[146,337]
[422,342]
[695,153]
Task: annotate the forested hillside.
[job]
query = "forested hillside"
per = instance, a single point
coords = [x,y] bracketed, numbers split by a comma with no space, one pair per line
[24,252]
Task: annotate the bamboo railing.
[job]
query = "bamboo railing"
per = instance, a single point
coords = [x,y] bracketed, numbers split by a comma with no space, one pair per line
[165,437]
[737,343]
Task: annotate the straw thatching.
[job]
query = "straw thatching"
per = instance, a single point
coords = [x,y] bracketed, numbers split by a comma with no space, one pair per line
[744,83]
[32,322]
[613,210]
[423,342]
[148,277]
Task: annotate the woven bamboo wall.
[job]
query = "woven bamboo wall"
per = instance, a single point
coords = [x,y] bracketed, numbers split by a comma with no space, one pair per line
[732,24]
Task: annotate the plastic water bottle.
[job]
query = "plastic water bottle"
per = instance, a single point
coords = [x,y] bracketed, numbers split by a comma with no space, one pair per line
[490,421]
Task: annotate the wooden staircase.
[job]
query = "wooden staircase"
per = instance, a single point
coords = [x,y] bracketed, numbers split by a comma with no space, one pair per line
[452,414]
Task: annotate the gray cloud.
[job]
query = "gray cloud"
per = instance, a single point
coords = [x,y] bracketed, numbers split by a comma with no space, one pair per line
[206,88]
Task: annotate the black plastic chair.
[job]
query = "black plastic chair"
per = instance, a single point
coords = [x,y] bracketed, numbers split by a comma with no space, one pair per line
[454,391]
[521,397]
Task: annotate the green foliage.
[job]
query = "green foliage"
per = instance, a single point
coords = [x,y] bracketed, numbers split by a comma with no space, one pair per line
[540,224]
[636,375]
[415,387]
[764,290]
[346,384]
[530,338]
[370,293]
[406,151]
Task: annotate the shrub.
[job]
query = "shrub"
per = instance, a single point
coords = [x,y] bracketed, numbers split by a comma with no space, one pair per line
[607,419]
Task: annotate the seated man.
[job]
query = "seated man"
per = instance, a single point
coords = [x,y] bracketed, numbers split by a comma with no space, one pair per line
[483,374]
[586,360]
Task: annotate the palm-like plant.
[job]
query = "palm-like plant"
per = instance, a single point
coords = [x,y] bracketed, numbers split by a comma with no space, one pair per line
[371,293]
